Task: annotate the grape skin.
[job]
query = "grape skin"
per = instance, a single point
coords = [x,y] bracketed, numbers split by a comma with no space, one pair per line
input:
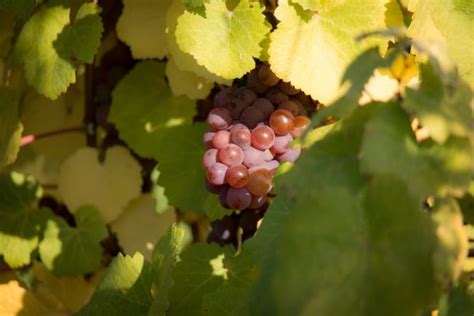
[240,135]
[210,158]
[219,118]
[263,137]
[221,139]
[216,173]
[231,155]
[281,121]
[238,199]
[237,176]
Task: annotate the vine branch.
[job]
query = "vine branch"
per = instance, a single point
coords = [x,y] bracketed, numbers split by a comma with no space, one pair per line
[28,139]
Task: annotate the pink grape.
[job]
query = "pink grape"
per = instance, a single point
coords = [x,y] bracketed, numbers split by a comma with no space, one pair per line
[231,155]
[263,137]
[257,201]
[238,199]
[219,118]
[237,176]
[271,166]
[252,156]
[268,155]
[282,144]
[264,106]
[207,138]
[223,196]
[291,155]
[281,121]
[251,116]
[301,123]
[240,135]
[216,173]
[223,97]
[210,158]
[220,139]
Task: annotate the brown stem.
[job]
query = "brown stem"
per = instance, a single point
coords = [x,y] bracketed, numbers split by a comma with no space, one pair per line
[28,139]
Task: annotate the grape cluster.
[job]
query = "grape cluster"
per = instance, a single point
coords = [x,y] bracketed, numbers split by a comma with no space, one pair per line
[251,129]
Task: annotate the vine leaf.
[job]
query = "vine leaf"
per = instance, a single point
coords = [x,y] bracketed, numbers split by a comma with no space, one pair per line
[235,37]
[124,289]
[204,278]
[425,168]
[142,26]
[46,42]
[140,227]
[20,222]
[187,83]
[67,250]
[448,22]
[20,8]
[109,186]
[159,126]
[10,127]
[311,50]
[441,108]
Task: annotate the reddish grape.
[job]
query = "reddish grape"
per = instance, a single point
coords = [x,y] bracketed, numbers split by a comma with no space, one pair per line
[237,176]
[282,143]
[275,96]
[238,199]
[207,138]
[231,155]
[219,118]
[257,201]
[301,123]
[266,76]
[254,83]
[281,121]
[210,158]
[236,108]
[268,155]
[220,139]
[240,135]
[245,95]
[252,156]
[223,196]
[263,137]
[216,174]
[287,88]
[291,155]
[223,97]
[264,106]
[290,106]
[271,166]
[211,188]
[251,116]
[260,182]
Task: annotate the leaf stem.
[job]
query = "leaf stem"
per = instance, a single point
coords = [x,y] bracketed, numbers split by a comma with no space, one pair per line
[28,139]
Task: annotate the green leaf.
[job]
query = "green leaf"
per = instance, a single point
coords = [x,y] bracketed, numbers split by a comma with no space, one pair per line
[443,108]
[205,276]
[45,45]
[142,26]
[232,38]
[158,126]
[187,83]
[82,38]
[459,300]
[20,222]
[311,50]
[124,290]
[467,204]
[336,242]
[426,168]
[158,192]
[20,8]
[69,250]
[450,22]
[164,260]
[7,30]
[193,4]
[10,127]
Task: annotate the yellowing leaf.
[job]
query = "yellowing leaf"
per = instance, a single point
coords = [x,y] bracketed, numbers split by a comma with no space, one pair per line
[187,83]
[109,186]
[223,41]
[142,25]
[140,227]
[10,127]
[449,22]
[17,301]
[312,50]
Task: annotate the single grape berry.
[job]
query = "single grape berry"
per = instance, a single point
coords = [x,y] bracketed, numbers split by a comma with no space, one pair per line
[251,116]
[301,123]
[231,155]
[223,196]
[216,173]
[219,118]
[290,106]
[275,96]
[290,155]
[238,199]
[207,139]
[264,106]
[254,83]
[210,158]
[263,137]
[257,201]
[237,176]
[281,121]
[223,97]
[266,76]
[253,157]
[260,182]
[282,143]
[220,139]
[240,135]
